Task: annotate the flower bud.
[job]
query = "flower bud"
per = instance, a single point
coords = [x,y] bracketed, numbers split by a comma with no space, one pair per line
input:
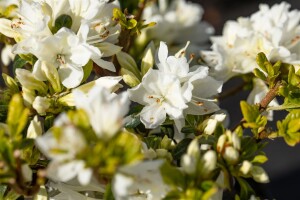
[27,80]
[246,167]
[41,104]
[259,174]
[221,143]
[236,142]
[35,129]
[188,164]
[210,161]
[231,155]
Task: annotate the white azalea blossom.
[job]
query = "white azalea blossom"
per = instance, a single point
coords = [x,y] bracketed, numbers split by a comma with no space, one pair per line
[161,94]
[99,103]
[140,181]
[60,149]
[69,53]
[176,23]
[272,30]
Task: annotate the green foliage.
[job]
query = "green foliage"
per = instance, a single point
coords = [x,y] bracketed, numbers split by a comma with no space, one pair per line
[123,149]
[289,128]
[253,117]
[271,70]
[62,21]
[19,62]
[87,69]
[129,69]
[148,58]
[17,117]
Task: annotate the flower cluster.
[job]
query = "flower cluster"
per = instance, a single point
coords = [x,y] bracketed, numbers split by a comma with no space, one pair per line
[101,104]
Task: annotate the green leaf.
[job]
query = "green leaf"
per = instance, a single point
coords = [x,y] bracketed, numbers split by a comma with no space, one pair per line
[129,78]
[87,69]
[181,148]
[2,191]
[261,159]
[17,117]
[131,24]
[128,63]
[10,83]
[133,123]
[153,142]
[19,63]
[108,195]
[62,21]
[148,58]
[258,73]
[172,175]
[250,112]
[285,106]
[289,128]
[246,189]
[261,59]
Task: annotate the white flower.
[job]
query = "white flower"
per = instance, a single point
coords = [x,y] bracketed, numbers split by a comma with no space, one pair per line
[111,83]
[62,148]
[140,181]
[274,31]
[6,55]
[176,23]
[258,92]
[73,190]
[104,109]
[30,21]
[161,94]
[69,53]
[41,104]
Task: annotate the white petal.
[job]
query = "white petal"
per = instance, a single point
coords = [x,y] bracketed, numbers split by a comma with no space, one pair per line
[153,115]
[71,77]
[105,64]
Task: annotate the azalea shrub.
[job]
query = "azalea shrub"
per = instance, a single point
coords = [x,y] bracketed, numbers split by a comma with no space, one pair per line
[108,99]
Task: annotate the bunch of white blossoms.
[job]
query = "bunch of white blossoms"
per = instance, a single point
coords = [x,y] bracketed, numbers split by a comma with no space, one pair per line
[175,89]
[63,36]
[177,22]
[273,30]
[68,131]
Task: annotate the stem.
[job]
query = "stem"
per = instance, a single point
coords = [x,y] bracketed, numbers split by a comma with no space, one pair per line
[269,97]
[126,38]
[263,103]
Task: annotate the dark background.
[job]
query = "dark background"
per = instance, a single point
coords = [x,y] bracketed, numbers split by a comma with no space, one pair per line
[283,165]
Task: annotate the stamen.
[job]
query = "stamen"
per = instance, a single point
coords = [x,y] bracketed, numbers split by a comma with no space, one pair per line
[61,59]
[192,56]
[204,99]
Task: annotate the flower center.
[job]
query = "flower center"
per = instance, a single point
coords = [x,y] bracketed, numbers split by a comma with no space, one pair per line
[61,59]
[16,23]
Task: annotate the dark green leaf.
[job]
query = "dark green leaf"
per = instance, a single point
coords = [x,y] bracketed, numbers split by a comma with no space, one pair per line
[62,21]
[18,63]
[172,175]
[133,123]
[181,148]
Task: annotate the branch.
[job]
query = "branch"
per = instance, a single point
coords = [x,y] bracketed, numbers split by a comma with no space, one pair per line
[263,103]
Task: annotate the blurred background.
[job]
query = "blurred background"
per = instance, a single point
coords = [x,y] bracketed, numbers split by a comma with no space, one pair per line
[283,165]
